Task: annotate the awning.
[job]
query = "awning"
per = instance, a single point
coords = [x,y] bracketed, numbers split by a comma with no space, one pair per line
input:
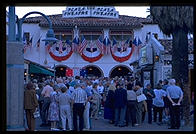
[39,70]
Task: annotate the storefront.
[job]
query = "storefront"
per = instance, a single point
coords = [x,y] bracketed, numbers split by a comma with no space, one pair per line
[35,71]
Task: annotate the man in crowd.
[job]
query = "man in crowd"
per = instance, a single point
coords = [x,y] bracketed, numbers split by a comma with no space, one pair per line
[120,103]
[175,95]
[79,97]
[46,94]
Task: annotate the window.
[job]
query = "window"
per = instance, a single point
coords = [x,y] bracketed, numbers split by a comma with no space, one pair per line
[64,35]
[121,35]
[91,35]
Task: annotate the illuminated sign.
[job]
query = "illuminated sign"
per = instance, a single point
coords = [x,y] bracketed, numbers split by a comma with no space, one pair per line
[89,11]
[146,55]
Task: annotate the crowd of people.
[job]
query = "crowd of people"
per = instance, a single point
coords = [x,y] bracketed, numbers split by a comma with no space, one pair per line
[63,101]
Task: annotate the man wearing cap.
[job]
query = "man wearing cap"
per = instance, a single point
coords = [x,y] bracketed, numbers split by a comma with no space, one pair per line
[79,99]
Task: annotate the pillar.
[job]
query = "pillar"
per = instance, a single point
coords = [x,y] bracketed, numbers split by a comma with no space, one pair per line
[15,86]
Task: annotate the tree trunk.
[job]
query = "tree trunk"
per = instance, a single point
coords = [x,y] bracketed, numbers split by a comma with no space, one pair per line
[180,68]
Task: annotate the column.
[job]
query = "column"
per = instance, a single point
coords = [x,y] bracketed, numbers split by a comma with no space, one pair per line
[15,86]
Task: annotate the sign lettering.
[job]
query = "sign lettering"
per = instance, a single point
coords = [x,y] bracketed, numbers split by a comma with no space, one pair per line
[103,12]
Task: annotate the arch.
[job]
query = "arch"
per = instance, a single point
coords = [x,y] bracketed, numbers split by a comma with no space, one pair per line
[59,72]
[94,71]
[120,70]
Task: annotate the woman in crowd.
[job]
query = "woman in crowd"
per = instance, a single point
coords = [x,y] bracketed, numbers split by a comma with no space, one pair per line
[109,104]
[65,108]
[158,103]
[138,90]
[30,105]
[53,112]
[96,100]
[131,104]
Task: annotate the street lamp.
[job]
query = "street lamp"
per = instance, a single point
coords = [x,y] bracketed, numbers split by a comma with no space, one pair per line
[50,34]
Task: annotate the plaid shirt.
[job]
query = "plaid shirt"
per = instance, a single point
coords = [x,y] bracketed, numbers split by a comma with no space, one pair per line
[79,96]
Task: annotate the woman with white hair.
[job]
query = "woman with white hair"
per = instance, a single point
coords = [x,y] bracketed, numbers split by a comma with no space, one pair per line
[175,95]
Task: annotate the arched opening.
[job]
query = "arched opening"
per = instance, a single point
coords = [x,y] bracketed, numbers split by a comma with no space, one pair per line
[120,71]
[94,71]
[60,71]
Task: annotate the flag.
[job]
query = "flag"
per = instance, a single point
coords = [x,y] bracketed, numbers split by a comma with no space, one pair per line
[25,43]
[30,42]
[75,44]
[114,45]
[139,43]
[82,44]
[91,46]
[135,42]
[69,44]
[38,43]
[106,43]
[126,44]
[69,72]
[121,46]
[99,43]
[60,47]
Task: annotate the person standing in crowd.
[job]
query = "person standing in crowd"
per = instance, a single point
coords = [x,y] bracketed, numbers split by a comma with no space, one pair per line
[158,103]
[64,100]
[166,100]
[53,111]
[149,93]
[30,105]
[87,108]
[138,90]
[131,104]
[175,95]
[96,101]
[79,97]
[109,104]
[46,94]
[120,103]
[41,98]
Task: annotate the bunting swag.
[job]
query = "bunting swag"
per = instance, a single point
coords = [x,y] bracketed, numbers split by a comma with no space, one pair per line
[121,57]
[64,55]
[91,56]
[91,59]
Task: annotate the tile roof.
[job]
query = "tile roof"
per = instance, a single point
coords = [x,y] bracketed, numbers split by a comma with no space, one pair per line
[168,45]
[58,21]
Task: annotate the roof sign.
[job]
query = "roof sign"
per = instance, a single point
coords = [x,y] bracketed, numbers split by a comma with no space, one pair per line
[89,11]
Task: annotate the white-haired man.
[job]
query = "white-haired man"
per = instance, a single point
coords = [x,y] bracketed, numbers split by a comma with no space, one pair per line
[175,95]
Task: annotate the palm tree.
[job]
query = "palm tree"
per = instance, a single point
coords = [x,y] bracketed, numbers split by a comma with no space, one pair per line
[178,22]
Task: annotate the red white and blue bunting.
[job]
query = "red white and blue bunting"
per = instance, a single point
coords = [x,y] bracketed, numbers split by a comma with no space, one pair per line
[93,55]
[62,54]
[122,56]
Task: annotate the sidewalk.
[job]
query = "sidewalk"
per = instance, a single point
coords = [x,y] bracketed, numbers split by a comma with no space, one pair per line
[103,125]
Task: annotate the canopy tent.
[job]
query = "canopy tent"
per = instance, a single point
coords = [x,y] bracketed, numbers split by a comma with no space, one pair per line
[39,70]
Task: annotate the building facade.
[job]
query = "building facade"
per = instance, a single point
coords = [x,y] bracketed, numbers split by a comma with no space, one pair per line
[92,25]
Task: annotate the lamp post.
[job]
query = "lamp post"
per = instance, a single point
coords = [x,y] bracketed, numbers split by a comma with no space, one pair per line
[15,70]
[50,34]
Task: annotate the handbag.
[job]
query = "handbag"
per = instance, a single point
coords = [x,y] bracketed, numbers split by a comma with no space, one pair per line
[141,97]
[36,114]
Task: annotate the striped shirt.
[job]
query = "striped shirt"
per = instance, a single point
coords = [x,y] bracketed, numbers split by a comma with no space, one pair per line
[79,95]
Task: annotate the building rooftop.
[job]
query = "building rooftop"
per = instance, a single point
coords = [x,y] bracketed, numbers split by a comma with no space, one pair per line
[122,21]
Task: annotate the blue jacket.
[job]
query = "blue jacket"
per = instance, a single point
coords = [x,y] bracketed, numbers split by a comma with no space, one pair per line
[120,96]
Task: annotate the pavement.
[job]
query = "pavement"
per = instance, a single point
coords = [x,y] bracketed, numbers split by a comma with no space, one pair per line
[103,125]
